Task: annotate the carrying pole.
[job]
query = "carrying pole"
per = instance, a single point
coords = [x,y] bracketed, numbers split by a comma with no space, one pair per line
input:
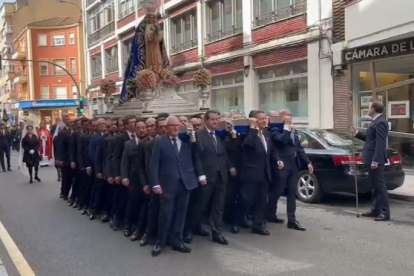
[354,152]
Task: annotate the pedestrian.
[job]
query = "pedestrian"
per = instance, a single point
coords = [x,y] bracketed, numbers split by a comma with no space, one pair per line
[30,145]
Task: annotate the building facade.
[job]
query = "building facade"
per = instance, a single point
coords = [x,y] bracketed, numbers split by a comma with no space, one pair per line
[258,51]
[6,50]
[374,60]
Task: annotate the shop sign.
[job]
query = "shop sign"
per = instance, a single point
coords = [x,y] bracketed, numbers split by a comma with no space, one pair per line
[48,103]
[388,49]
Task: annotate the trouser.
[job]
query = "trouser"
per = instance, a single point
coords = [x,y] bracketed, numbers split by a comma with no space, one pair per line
[153,214]
[102,194]
[59,173]
[254,195]
[285,180]
[120,201]
[143,216]
[380,202]
[232,201]
[67,179]
[85,189]
[5,151]
[77,185]
[134,205]
[214,191]
[30,169]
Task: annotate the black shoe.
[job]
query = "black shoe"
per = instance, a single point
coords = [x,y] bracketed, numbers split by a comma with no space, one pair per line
[70,202]
[38,179]
[135,236]
[59,179]
[261,232]
[60,196]
[75,204]
[65,198]
[80,207]
[383,217]
[9,169]
[371,214]
[84,211]
[275,219]
[181,248]
[246,224]
[156,250]
[144,240]
[235,229]
[114,225]
[201,232]
[104,218]
[188,238]
[127,231]
[220,239]
[295,226]
[31,181]
[92,216]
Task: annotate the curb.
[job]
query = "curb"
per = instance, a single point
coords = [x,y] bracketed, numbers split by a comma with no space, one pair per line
[409,198]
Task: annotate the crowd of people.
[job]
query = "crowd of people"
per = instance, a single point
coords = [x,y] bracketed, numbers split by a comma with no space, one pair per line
[157,178]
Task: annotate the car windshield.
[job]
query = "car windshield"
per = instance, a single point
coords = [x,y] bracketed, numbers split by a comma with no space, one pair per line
[337,139]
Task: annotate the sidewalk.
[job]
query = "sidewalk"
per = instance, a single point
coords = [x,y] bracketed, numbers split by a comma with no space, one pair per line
[406,192]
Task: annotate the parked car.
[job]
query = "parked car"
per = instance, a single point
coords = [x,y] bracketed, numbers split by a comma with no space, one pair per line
[335,165]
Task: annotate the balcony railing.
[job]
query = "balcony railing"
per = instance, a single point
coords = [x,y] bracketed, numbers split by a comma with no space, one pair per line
[102,33]
[280,14]
[96,74]
[127,12]
[90,2]
[184,46]
[59,72]
[228,31]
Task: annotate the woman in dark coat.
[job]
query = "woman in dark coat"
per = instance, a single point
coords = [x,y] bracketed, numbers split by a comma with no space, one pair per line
[30,145]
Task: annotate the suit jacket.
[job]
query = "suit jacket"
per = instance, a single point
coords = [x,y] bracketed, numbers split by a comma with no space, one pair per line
[117,153]
[212,160]
[100,153]
[133,163]
[374,149]
[289,151]
[92,147]
[108,165]
[5,139]
[73,153]
[256,160]
[63,146]
[83,161]
[167,166]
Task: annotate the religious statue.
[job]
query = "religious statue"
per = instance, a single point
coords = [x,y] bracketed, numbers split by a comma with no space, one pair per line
[46,145]
[147,50]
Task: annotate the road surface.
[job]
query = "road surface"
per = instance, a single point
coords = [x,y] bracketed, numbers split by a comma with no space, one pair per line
[56,240]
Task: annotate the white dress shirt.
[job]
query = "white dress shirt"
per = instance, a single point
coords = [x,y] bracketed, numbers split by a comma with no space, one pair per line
[130,136]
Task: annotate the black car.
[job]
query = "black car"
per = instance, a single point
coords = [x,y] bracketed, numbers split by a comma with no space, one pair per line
[331,153]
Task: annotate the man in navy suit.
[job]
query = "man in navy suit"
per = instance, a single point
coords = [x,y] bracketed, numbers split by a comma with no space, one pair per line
[375,157]
[172,176]
[5,145]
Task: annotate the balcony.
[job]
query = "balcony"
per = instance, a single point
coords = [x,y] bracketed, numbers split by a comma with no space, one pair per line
[266,17]
[90,2]
[19,54]
[20,77]
[101,34]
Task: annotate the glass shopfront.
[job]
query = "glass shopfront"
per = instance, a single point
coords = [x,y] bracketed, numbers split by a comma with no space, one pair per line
[391,80]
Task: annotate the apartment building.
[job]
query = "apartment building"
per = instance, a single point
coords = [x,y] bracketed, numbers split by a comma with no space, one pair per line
[6,50]
[256,50]
[48,36]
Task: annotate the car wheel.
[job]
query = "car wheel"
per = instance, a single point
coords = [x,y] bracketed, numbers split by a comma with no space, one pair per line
[308,188]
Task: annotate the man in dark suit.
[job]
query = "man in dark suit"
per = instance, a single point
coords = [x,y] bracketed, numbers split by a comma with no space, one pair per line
[291,152]
[74,162]
[258,153]
[83,160]
[121,192]
[151,226]
[62,157]
[172,177]
[5,146]
[214,170]
[374,155]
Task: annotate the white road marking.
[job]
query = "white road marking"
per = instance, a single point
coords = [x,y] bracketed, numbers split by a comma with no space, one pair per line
[3,271]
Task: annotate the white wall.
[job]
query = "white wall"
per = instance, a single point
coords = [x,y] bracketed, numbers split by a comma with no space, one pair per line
[369,21]
[320,82]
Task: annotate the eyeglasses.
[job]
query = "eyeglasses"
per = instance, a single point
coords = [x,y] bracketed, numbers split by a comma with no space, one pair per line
[174,126]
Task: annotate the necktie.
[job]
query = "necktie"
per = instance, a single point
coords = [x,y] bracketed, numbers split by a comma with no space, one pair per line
[214,140]
[174,140]
[292,136]
[133,138]
[262,138]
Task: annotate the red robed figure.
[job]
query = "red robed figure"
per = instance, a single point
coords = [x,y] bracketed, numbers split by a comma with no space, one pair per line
[45,148]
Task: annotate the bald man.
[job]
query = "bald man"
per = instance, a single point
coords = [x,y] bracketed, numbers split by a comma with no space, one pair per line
[196,123]
[273,113]
[183,120]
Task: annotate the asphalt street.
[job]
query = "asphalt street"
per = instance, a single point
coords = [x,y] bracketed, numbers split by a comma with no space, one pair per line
[57,240]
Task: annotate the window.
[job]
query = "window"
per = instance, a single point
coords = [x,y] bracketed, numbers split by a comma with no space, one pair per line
[58,40]
[126,7]
[42,40]
[72,65]
[56,69]
[44,93]
[71,38]
[44,68]
[96,66]
[225,19]
[9,29]
[227,92]
[101,22]
[111,60]
[60,92]
[184,32]
[126,51]
[74,92]
[267,11]
[285,86]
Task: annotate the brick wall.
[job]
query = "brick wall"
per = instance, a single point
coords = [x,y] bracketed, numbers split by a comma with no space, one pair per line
[180,9]
[186,76]
[113,76]
[226,66]
[110,43]
[225,45]
[338,14]
[341,102]
[184,57]
[281,28]
[280,55]
[126,20]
